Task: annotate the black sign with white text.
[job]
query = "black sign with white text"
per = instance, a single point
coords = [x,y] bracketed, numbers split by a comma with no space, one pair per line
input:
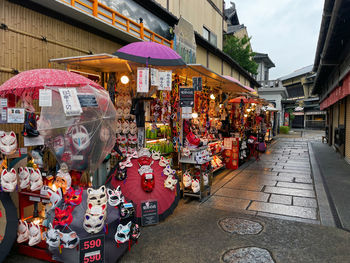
[186,97]
[149,213]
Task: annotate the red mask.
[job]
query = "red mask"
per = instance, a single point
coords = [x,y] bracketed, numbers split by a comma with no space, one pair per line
[144,160]
[63,217]
[147,182]
[74,197]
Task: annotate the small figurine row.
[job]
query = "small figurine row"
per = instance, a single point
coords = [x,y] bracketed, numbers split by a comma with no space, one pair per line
[188,181]
[28,177]
[123,100]
[124,113]
[124,139]
[126,127]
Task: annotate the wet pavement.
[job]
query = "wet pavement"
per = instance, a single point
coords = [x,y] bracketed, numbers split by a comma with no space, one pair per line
[280,184]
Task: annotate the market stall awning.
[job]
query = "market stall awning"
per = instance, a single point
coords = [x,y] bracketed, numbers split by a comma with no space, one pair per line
[239,83]
[98,62]
[210,78]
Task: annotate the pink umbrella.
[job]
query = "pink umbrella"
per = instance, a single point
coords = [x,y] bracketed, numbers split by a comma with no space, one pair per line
[150,53]
[31,81]
[132,190]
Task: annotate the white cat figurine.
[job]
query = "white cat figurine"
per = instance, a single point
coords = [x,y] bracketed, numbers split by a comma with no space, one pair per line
[195,186]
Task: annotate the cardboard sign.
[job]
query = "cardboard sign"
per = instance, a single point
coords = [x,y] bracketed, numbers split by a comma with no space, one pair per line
[197,83]
[186,97]
[45,98]
[165,79]
[70,101]
[142,80]
[15,115]
[149,213]
[92,249]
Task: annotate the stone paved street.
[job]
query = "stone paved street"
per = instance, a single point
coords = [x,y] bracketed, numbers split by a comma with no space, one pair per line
[280,184]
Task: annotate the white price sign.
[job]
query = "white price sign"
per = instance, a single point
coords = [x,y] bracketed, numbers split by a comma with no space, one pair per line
[45,98]
[15,115]
[154,77]
[142,80]
[165,79]
[70,101]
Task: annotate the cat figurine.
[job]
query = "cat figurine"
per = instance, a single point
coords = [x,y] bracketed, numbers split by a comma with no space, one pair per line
[187,179]
[195,186]
[170,182]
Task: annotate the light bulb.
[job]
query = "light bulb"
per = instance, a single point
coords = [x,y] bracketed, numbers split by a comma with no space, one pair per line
[195,115]
[220,106]
[248,110]
[212,96]
[124,79]
[246,115]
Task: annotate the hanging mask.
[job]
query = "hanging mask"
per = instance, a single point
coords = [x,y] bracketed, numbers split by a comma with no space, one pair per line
[93,209]
[187,179]
[93,223]
[34,234]
[122,234]
[132,139]
[24,176]
[144,152]
[52,237]
[36,180]
[8,143]
[125,127]
[134,232]
[115,197]
[126,113]
[55,197]
[127,210]
[155,155]
[63,180]
[98,196]
[22,231]
[74,196]
[168,171]
[195,186]
[119,112]
[170,183]
[119,127]
[63,217]
[69,240]
[163,162]
[121,174]
[8,180]
[58,145]
[147,182]
[133,128]
[80,137]
[145,160]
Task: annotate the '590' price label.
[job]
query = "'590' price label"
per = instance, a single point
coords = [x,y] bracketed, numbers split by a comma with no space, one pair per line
[92,249]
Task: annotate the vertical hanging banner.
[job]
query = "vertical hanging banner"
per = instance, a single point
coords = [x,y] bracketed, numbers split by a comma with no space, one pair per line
[143,80]
[197,83]
[154,77]
[165,79]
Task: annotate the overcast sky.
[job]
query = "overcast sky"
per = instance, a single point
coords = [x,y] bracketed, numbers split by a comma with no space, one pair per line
[287,30]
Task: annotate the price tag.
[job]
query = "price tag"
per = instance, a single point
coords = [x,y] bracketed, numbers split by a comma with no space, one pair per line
[92,249]
[142,80]
[15,115]
[70,101]
[34,198]
[154,77]
[45,98]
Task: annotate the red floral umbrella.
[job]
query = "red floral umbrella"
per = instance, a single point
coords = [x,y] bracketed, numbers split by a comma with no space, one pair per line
[31,81]
[132,190]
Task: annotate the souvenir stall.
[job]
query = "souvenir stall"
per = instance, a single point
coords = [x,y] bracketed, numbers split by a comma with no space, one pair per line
[203,98]
[145,155]
[248,125]
[63,218]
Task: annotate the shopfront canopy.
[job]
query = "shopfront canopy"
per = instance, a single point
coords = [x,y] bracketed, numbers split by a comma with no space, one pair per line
[239,83]
[210,78]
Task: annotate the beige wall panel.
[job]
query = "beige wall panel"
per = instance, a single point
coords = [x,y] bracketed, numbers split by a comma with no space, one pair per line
[199,13]
[235,74]
[347,129]
[22,52]
[335,119]
[215,63]
[201,56]
[227,69]
[342,113]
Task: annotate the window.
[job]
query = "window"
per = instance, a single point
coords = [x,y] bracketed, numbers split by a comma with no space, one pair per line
[210,36]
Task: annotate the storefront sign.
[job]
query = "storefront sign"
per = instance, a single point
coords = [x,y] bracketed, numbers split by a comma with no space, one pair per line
[154,77]
[87,100]
[15,115]
[149,213]
[142,80]
[165,80]
[186,97]
[70,101]
[3,103]
[3,117]
[45,98]
[197,83]
[92,249]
